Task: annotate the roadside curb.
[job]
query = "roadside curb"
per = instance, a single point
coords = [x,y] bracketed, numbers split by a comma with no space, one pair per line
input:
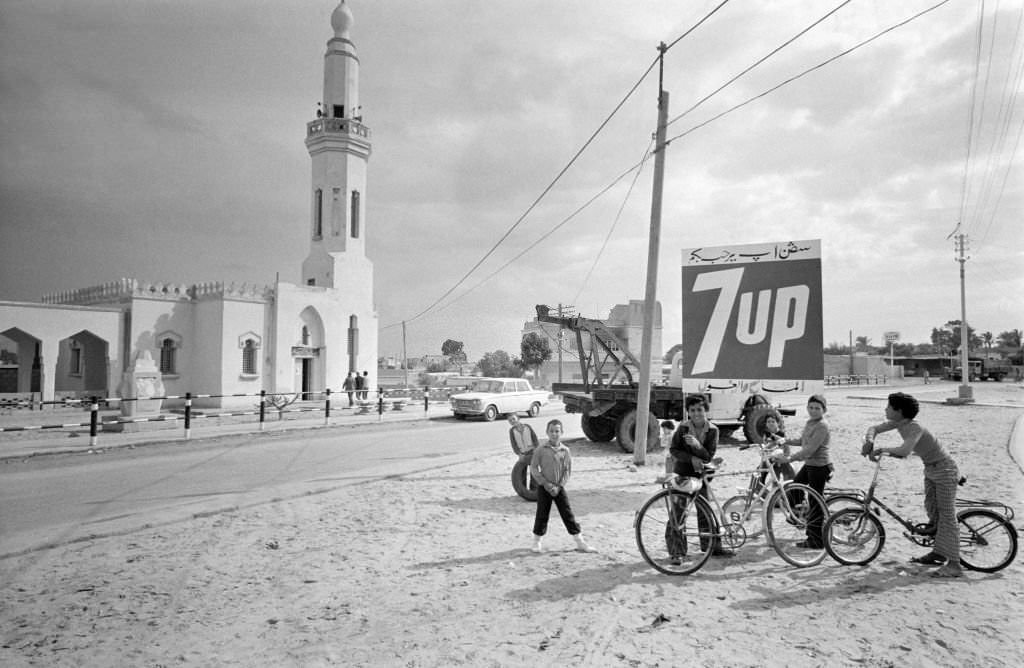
[1016,444]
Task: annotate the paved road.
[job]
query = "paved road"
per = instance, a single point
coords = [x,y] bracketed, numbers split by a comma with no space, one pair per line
[57,500]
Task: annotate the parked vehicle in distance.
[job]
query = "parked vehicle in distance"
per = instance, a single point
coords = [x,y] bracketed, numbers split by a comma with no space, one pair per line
[982,369]
[490,397]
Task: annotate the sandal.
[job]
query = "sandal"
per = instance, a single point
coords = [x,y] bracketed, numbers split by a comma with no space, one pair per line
[930,559]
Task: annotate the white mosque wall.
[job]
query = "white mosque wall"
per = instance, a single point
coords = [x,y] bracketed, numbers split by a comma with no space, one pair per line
[50,325]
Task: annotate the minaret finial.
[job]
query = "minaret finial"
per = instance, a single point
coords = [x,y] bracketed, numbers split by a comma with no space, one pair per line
[341,20]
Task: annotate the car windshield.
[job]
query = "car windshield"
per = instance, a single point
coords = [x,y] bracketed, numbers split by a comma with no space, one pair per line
[487,386]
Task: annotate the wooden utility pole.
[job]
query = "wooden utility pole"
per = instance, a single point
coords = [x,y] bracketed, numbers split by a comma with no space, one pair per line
[562,311]
[965,394]
[643,403]
[405,357]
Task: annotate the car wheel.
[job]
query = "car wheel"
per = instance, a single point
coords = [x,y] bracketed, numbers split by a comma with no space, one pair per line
[626,431]
[754,421]
[534,409]
[599,429]
[490,413]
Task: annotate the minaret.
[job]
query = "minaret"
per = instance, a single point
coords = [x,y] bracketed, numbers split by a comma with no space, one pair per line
[339,146]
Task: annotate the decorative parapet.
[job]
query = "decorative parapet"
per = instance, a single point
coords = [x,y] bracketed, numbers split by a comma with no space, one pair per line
[335,126]
[241,292]
[129,288]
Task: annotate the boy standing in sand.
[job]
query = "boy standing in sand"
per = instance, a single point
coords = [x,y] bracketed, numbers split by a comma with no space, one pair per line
[551,467]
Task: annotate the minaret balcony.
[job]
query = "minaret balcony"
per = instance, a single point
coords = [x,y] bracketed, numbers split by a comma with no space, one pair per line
[336,126]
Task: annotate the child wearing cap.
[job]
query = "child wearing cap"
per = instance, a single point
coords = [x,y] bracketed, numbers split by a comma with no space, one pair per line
[817,468]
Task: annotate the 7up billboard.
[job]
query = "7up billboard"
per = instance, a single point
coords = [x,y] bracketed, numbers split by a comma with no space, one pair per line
[752,317]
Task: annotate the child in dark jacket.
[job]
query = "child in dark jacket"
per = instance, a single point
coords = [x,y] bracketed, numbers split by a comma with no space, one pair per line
[693,446]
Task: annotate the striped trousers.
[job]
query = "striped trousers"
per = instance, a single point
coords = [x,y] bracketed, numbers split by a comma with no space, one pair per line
[940,483]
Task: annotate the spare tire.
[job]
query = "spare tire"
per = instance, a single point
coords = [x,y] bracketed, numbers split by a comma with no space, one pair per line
[599,429]
[522,479]
[625,431]
[754,421]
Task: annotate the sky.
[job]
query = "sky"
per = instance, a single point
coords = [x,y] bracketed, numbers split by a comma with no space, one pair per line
[163,140]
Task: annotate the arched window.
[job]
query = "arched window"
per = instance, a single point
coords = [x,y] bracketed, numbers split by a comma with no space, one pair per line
[77,365]
[355,214]
[318,214]
[168,356]
[249,357]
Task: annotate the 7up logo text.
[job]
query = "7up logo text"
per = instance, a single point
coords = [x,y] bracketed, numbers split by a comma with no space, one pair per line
[753,320]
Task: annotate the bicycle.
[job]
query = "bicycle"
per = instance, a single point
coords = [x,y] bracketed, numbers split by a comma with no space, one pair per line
[988,539]
[676,516]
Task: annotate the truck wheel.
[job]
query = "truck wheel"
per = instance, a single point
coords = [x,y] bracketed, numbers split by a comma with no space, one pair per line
[598,429]
[490,413]
[754,421]
[626,431]
[534,410]
[522,481]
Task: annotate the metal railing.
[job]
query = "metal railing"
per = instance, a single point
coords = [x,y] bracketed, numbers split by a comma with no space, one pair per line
[857,379]
[362,402]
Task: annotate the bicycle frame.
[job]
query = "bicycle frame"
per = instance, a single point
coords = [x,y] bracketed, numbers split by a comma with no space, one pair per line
[763,482]
[869,498]
[913,533]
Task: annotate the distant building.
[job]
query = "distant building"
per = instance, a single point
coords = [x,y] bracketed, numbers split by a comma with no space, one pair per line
[625,320]
[224,338]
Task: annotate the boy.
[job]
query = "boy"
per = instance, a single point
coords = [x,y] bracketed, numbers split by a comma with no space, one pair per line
[817,468]
[668,427]
[694,445]
[521,435]
[551,466]
[941,478]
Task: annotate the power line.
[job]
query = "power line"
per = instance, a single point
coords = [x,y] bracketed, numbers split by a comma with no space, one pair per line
[758,62]
[615,222]
[1004,119]
[544,193]
[970,116]
[547,234]
[538,199]
[807,71]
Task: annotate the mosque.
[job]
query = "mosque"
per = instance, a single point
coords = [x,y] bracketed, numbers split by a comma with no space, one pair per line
[222,338]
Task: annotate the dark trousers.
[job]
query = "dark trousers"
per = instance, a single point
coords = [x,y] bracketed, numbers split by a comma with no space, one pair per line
[561,501]
[814,477]
[350,393]
[675,541]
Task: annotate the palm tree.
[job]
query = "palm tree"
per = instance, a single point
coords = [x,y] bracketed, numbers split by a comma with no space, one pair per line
[987,338]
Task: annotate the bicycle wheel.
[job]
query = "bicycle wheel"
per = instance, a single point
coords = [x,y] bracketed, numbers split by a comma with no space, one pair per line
[668,532]
[853,536]
[742,510]
[792,520]
[988,542]
[837,502]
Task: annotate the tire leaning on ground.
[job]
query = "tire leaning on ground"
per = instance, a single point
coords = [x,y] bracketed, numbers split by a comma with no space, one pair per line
[534,409]
[598,429]
[490,413]
[522,480]
[625,431]
[754,421]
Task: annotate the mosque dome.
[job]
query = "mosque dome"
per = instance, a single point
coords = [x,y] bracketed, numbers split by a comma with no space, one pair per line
[341,20]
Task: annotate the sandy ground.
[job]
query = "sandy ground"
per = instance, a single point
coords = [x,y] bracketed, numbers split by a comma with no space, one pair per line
[433,569]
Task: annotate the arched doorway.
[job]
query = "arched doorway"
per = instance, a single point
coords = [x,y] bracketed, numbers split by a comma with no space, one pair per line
[308,354]
[21,366]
